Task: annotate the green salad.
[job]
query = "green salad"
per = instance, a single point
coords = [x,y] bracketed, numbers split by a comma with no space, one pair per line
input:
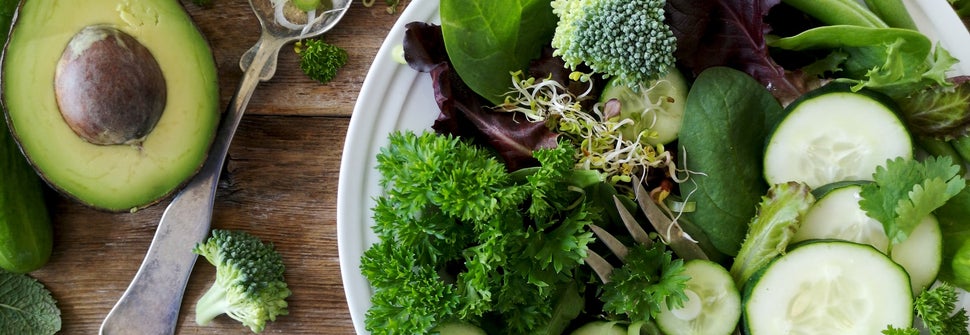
[676,167]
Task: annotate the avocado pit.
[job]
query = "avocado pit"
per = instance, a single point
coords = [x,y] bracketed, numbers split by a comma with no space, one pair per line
[109,87]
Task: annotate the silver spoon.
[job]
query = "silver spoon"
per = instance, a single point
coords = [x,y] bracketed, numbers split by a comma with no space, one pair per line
[151,303]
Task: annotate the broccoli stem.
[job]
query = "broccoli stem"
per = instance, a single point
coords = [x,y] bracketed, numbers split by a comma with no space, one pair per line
[213,303]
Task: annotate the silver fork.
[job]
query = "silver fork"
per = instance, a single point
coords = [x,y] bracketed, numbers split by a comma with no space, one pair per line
[151,303]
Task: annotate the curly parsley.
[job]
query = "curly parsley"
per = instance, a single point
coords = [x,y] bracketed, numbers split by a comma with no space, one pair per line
[463,239]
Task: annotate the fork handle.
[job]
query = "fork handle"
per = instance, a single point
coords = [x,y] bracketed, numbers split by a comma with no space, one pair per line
[151,303]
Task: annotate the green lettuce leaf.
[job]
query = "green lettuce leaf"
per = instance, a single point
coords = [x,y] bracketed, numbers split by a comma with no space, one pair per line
[893,61]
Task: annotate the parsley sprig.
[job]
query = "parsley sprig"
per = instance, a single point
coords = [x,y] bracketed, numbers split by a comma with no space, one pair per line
[463,239]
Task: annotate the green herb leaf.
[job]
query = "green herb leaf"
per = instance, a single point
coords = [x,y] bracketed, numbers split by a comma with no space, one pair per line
[463,239]
[905,191]
[936,308]
[26,306]
[649,278]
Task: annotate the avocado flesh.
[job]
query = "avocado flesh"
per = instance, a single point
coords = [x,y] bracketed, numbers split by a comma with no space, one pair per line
[111,177]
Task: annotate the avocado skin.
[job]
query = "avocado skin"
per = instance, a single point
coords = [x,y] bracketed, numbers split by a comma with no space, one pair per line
[113,178]
[26,235]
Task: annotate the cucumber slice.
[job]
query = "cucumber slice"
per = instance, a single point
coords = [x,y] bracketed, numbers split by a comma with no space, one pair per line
[828,287]
[837,216]
[713,306]
[833,134]
[657,109]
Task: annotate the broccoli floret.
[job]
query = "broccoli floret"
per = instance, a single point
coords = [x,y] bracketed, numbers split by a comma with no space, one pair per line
[249,285]
[320,60]
[623,38]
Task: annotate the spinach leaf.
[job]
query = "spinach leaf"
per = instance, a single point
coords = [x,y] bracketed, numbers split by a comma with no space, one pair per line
[727,118]
[487,40]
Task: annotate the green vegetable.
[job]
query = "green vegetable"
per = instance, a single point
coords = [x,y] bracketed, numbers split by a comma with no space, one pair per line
[828,287]
[391,5]
[306,5]
[713,306]
[837,215]
[892,61]
[249,285]
[937,308]
[649,279]
[727,118]
[905,191]
[320,60]
[938,112]
[623,38]
[893,12]
[26,235]
[835,134]
[600,328]
[838,12]
[487,40]
[203,3]
[780,213]
[953,216]
[26,306]
[518,240]
[653,113]
[616,155]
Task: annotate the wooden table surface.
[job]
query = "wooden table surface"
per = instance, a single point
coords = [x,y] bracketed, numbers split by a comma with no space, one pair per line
[280,184]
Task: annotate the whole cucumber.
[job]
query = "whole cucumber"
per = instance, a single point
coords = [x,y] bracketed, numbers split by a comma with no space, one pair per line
[26,236]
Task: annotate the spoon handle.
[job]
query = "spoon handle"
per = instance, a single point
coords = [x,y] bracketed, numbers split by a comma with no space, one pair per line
[151,303]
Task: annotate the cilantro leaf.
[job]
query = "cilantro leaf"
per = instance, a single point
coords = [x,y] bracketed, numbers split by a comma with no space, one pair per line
[905,191]
[26,306]
[649,277]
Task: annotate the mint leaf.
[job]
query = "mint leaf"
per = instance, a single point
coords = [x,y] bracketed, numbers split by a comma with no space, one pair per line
[26,306]
[905,191]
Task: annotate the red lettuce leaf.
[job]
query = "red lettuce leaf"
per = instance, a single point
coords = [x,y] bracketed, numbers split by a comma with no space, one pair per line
[466,114]
[732,33]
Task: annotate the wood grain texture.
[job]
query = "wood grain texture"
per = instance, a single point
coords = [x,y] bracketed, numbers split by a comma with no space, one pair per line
[280,184]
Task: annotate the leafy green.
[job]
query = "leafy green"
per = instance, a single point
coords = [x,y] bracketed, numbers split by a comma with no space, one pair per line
[905,191]
[727,118]
[956,239]
[26,306]
[890,330]
[488,40]
[649,278]
[937,309]
[938,112]
[893,61]
[779,216]
[320,60]
[462,239]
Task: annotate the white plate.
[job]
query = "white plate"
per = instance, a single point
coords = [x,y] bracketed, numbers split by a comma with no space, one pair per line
[393,97]
[396,97]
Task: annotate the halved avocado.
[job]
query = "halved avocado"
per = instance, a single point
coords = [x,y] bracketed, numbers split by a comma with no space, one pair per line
[114,102]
